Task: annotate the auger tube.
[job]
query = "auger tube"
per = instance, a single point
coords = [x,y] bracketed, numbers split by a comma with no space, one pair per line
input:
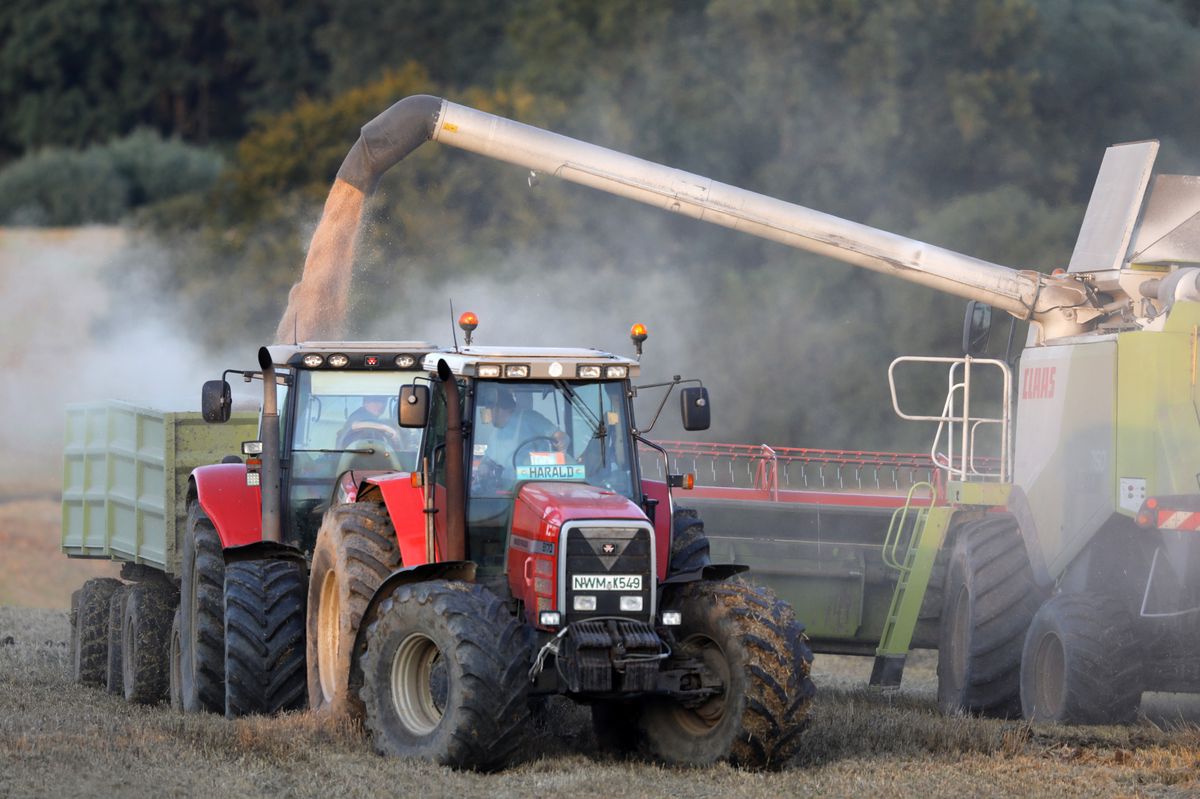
[1060,305]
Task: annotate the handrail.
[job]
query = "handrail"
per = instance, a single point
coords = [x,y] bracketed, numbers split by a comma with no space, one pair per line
[891,542]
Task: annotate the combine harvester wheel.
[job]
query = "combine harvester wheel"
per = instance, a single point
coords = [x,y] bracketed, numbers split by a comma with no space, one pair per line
[1082,663]
[990,598]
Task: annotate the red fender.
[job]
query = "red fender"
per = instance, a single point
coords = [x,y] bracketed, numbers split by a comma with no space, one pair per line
[406,505]
[233,507]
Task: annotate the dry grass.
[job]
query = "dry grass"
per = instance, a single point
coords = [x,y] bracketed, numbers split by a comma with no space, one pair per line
[62,739]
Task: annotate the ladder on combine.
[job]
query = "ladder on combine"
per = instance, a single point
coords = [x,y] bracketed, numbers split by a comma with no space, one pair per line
[910,548]
[916,533]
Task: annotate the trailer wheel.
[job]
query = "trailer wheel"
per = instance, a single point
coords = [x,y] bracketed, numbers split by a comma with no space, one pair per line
[445,676]
[689,543]
[74,618]
[1082,663]
[113,674]
[175,663]
[264,637]
[753,643]
[89,661]
[202,628]
[145,637]
[990,598]
[356,550]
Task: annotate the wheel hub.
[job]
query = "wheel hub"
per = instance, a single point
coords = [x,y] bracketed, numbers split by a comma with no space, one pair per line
[328,635]
[419,684]
[1050,668]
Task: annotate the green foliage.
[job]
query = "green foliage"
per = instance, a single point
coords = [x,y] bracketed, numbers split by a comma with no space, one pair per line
[975,126]
[103,183]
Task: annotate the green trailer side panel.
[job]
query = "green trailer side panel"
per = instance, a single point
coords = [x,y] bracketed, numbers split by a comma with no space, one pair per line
[125,473]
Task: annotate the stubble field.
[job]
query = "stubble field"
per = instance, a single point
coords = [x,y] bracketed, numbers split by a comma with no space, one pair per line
[61,739]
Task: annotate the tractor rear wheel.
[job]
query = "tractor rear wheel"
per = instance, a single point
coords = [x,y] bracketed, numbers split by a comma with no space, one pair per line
[175,663]
[356,550]
[1082,663]
[113,674]
[990,598]
[753,643]
[445,676]
[202,620]
[145,635]
[264,637]
[89,660]
[689,543]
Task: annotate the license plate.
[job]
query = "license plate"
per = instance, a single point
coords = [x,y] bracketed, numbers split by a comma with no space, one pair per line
[606,582]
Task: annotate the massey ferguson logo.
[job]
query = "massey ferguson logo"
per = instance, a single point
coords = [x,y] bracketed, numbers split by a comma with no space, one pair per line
[1037,382]
[608,549]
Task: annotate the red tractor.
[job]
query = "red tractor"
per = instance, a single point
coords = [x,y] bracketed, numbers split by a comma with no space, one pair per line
[526,556]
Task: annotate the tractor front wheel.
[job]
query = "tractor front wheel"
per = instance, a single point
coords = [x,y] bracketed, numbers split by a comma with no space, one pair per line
[445,674]
[752,642]
[1081,663]
[356,550]
[689,543]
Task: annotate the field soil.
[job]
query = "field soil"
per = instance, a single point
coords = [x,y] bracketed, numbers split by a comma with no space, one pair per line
[61,739]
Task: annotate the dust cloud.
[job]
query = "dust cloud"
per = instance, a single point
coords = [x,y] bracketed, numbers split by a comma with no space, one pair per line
[77,329]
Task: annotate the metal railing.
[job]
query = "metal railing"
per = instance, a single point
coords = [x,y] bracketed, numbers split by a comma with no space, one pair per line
[955,448]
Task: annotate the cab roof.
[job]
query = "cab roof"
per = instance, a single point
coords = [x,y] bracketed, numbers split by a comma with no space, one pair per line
[356,351]
[543,362]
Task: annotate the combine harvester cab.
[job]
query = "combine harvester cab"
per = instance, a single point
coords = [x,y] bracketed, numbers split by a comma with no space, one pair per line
[528,556]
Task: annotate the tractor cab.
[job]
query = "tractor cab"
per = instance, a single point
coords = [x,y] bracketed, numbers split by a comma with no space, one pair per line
[536,423]
[337,411]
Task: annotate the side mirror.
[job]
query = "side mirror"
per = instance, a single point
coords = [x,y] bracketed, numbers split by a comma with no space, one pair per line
[694,406]
[216,401]
[414,406]
[977,328]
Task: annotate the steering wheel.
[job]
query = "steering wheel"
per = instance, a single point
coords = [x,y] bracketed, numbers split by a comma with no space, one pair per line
[548,439]
[361,431]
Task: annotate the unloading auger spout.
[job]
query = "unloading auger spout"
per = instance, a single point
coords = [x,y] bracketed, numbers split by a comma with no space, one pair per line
[1060,305]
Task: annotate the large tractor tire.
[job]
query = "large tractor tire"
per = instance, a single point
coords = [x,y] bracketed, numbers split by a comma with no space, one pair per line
[113,675]
[753,642]
[202,620]
[175,663]
[445,676]
[989,600]
[1082,663]
[689,543]
[356,550]
[145,637]
[264,637]
[89,658]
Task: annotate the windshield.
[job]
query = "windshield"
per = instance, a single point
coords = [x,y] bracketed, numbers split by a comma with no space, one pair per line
[552,430]
[344,420]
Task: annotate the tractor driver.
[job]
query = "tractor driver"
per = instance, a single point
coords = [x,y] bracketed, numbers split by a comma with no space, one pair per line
[370,416]
[516,430]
